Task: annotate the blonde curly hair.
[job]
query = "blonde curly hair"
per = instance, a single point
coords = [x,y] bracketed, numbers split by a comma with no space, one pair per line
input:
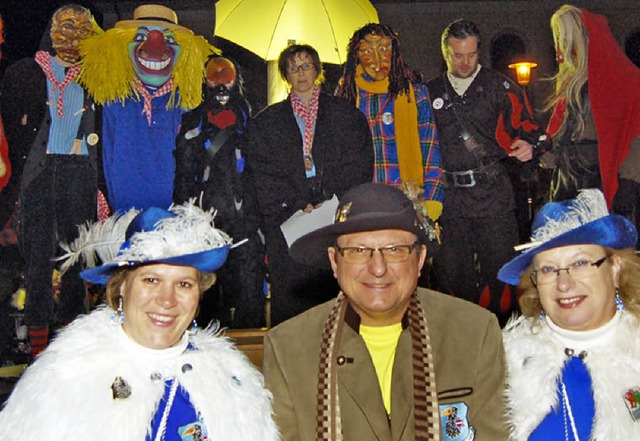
[572,41]
[108,74]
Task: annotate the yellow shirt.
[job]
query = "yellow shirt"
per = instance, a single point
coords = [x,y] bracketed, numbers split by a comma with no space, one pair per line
[381,341]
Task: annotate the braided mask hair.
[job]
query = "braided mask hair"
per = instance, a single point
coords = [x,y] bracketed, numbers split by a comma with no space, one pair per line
[400,76]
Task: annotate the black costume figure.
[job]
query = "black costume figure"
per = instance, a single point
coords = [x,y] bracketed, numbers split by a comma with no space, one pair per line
[210,163]
[50,126]
[479,226]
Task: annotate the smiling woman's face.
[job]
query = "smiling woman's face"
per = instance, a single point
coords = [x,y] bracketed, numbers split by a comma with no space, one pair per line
[578,303]
[159,303]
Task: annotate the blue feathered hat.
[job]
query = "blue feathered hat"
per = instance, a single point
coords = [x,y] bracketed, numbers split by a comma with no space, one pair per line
[583,220]
[183,235]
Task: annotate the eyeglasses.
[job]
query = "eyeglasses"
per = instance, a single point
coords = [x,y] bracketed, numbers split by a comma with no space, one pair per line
[580,269]
[305,67]
[390,254]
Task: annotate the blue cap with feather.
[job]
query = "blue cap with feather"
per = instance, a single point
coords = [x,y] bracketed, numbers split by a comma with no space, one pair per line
[583,220]
[183,235]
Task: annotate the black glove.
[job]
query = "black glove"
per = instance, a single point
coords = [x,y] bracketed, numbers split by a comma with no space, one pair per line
[625,202]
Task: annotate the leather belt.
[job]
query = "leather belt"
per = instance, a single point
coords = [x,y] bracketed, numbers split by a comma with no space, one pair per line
[470,178]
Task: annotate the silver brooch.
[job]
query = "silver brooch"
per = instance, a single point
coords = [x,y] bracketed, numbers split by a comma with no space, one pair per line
[120,389]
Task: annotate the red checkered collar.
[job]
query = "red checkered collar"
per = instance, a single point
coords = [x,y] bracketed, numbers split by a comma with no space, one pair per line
[142,90]
[44,61]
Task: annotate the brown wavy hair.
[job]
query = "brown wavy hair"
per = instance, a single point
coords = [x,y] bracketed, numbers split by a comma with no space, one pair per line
[400,76]
[290,52]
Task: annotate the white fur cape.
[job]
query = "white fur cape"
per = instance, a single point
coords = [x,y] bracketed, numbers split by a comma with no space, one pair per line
[66,394]
[535,360]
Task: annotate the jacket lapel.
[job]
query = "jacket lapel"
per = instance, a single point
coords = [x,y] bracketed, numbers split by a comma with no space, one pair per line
[357,378]
[402,387]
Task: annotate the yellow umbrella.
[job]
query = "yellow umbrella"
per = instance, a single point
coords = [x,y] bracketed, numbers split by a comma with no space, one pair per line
[266,27]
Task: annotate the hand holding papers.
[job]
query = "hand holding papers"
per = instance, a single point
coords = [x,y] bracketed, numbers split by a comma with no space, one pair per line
[301,223]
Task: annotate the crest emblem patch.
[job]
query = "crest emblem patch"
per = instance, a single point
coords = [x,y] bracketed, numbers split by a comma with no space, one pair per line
[455,423]
[632,401]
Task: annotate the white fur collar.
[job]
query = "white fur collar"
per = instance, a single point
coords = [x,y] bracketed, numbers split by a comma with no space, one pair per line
[66,394]
[535,360]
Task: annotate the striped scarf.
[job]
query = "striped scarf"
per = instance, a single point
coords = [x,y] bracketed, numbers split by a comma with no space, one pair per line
[44,60]
[425,400]
[308,114]
[142,90]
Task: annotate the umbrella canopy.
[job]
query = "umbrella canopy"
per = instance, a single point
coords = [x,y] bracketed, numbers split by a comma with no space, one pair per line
[266,27]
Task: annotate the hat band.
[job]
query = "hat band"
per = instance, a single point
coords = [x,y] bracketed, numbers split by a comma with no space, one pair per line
[157,19]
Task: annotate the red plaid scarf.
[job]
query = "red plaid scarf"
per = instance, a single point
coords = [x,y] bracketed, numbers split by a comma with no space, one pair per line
[308,114]
[142,90]
[44,60]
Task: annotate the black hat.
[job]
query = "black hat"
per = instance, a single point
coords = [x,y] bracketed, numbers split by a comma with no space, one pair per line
[367,207]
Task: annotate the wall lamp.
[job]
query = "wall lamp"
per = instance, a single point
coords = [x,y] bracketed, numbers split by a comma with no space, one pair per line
[523,71]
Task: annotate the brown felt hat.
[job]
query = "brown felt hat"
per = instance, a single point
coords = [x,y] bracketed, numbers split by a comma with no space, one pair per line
[367,207]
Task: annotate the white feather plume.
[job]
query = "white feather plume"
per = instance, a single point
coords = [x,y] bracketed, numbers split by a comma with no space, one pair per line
[588,206]
[191,231]
[97,242]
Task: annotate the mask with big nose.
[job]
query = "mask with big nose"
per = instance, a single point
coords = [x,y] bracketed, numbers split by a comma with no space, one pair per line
[374,54]
[154,52]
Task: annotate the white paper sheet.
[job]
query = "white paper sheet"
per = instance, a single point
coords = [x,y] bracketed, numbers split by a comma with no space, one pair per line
[301,223]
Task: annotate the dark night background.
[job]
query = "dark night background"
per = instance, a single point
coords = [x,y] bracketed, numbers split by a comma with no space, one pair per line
[418,23]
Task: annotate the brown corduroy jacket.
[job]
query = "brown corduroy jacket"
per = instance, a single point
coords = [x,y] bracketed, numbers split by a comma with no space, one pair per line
[469,365]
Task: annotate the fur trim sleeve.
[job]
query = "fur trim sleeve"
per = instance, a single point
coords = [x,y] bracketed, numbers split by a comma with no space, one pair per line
[66,394]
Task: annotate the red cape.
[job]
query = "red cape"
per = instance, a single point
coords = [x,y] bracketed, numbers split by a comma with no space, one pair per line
[614,91]
[4,153]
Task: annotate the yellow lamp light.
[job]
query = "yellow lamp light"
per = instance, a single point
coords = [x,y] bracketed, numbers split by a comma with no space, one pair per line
[523,71]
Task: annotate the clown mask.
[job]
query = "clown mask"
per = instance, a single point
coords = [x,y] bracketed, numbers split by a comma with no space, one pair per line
[221,79]
[154,52]
[69,25]
[374,54]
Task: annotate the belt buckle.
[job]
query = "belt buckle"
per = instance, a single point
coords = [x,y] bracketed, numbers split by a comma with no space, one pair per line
[464,183]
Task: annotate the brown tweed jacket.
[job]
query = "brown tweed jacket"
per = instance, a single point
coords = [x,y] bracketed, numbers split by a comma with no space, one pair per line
[468,353]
